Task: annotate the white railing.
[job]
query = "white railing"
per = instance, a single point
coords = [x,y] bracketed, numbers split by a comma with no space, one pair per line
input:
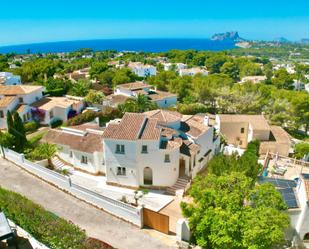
[112,206]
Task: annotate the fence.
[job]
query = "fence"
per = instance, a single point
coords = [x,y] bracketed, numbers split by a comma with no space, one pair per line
[114,207]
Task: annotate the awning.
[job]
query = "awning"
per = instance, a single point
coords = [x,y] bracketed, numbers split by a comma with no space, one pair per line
[5,229]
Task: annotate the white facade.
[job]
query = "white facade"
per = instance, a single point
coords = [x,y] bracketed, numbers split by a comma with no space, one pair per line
[142,70]
[9,79]
[157,162]
[176,66]
[193,71]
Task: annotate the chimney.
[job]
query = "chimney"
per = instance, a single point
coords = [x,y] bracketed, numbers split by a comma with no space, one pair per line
[206,120]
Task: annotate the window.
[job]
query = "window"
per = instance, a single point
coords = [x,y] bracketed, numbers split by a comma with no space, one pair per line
[120,149]
[167,158]
[21,100]
[51,114]
[84,160]
[242,130]
[1,114]
[28,115]
[24,117]
[144,149]
[71,153]
[240,142]
[121,171]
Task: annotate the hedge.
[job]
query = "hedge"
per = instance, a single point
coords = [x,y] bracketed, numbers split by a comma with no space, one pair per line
[45,226]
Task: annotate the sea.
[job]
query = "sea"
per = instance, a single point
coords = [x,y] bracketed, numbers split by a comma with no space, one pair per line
[146,45]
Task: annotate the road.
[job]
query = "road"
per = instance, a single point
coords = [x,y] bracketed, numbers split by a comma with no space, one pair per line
[96,223]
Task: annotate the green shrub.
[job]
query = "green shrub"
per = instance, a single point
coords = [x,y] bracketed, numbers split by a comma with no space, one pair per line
[31,126]
[85,117]
[56,123]
[56,92]
[301,149]
[42,151]
[46,227]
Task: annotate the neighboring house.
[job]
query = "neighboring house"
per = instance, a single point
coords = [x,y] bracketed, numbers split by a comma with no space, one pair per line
[9,79]
[156,148]
[79,75]
[239,130]
[288,67]
[81,146]
[175,66]
[193,71]
[298,85]
[49,109]
[18,98]
[253,79]
[296,196]
[131,90]
[142,70]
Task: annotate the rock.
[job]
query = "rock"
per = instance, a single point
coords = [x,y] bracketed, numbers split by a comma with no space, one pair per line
[227,36]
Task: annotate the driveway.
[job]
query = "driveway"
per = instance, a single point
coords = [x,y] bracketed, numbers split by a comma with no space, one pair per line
[97,223]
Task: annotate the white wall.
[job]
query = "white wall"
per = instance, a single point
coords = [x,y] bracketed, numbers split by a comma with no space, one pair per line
[31,97]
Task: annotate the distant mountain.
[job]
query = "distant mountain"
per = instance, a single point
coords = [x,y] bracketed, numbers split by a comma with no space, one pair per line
[304,41]
[228,36]
[281,40]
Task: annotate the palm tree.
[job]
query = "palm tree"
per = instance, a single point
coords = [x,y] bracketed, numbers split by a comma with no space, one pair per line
[139,104]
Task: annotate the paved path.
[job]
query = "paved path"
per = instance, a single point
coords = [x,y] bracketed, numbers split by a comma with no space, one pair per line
[97,224]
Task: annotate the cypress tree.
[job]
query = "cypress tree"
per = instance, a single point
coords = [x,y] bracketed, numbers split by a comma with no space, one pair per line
[10,122]
[19,132]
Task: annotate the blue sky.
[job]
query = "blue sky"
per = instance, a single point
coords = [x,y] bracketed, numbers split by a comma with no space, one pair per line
[40,21]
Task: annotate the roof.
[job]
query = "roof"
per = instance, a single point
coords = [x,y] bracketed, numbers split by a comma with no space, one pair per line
[188,148]
[157,95]
[21,108]
[4,102]
[171,144]
[88,143]
[164,116]
[117,98]
[49,103]
[258,122]
[134,85]
[280,134]
[19,90]
[194,125]
[133,126]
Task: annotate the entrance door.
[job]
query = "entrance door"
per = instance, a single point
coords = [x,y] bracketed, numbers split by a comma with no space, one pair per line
[182,167]
[147,176]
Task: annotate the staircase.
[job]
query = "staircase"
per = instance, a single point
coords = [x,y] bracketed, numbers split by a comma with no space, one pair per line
[57,163]
[180,185]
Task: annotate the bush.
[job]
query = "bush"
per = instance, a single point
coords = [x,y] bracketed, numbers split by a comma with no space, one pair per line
[42,151]
[85,117]
[31,126]
[56,92]
[46,227]
[56,123]
[301,149]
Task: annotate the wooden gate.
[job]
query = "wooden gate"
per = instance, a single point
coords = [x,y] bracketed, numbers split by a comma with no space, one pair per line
[157,221]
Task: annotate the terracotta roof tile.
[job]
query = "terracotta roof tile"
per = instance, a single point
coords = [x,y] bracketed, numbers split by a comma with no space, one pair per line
[4,102]
[128,129]
[151,131]
[19,90]
[164,116]
[134,85]
[89,143]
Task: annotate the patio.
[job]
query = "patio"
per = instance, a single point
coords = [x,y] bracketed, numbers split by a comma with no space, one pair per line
[154,200]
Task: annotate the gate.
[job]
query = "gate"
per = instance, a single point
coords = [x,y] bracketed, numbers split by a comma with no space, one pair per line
[157,221]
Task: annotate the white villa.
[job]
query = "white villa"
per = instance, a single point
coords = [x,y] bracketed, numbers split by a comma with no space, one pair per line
[177,66]
[193,71]
[131,90]
[29,102]
[254,79]
[156,148]
[142,70]
[9,79]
